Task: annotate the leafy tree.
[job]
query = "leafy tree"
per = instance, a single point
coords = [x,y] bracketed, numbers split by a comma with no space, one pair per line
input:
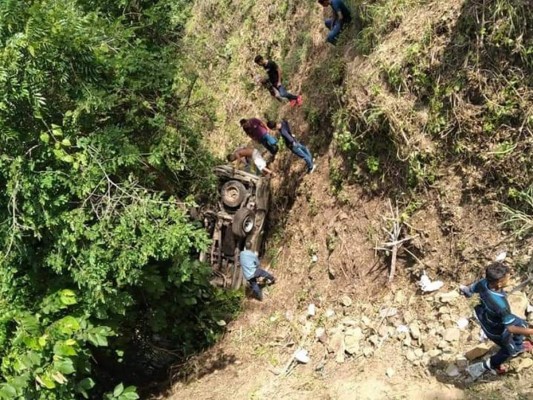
[100,146]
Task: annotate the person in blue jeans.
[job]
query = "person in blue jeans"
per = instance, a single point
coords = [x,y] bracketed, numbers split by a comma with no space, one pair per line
[497,321]
[292,143]
[340,19]
[258,131]
[251,270]
[274,81]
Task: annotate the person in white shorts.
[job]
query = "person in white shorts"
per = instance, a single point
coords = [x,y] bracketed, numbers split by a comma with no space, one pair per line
[251,155]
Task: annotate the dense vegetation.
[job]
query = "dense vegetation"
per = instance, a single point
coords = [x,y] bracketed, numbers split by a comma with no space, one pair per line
[100,156]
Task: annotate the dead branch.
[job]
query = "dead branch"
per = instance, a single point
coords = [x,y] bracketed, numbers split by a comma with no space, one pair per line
[394,242]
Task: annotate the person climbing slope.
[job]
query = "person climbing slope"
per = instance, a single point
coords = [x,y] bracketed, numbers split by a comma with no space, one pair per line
[251,270]
[292,143]
[495,317]
[340,19]
[274,81]
[251,156]
[258,131]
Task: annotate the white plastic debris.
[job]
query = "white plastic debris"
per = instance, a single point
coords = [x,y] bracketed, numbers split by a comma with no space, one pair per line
[427,285]
[462,323]
[390,372]
[330,313]
[301,355]
[500,257]
[402,329]
[311,310]
[482,336]
[314,258]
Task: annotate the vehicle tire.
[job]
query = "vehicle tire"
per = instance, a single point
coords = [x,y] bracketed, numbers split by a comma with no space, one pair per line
[237,278]
[243,222]
[232,193]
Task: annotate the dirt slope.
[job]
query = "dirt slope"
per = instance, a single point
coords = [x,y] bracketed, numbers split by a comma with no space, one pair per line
[324,230]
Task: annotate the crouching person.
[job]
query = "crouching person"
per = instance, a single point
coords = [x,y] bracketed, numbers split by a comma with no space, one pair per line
[251,270]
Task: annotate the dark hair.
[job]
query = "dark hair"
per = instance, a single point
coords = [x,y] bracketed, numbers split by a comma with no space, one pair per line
[258,59]
[243,121]
[322,2]
[496,271]
[271,124]
[231,157]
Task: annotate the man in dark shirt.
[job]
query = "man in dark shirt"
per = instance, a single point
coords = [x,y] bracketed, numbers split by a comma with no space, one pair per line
[290,141]
[495,317]
[258,131]
[341,18]
[274,81]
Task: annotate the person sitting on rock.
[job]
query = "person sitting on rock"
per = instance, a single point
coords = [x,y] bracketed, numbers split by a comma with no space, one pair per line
[294,145]
[340,19]
[497,321]
[251,270]
[273,81]
[258,131]
[251,156]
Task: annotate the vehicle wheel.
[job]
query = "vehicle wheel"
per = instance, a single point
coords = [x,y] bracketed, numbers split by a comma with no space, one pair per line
[237,278]
[233,193]
[243,222]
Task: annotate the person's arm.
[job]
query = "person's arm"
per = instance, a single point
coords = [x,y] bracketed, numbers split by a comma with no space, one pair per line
[268,172]
[279,75]
[469,290]
[519,330]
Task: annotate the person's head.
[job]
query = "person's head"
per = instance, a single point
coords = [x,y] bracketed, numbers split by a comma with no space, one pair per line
[231,157]
[243,121]
[323,3]
[272,124]
[497,275]
[259,60]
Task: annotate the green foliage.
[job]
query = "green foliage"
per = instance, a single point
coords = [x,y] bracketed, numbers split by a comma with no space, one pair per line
[100,143]
[519,219]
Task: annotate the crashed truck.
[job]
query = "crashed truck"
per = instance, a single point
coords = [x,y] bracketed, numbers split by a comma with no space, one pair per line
[236,220]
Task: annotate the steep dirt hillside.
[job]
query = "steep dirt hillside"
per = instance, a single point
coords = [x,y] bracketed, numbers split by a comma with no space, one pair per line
[414,119]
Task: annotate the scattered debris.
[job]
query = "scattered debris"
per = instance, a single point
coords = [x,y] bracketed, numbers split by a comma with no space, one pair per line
[479,351]
[452,371]
[402,329]
[462,323]
[346,301]
[301,355]
[314,258]
[311,310]
[500,257]
[448,297]
[388,312]
[330,313]
[389,372]
[394,242]
[415,330]
[519,303]
[427,285]
[451,334]
[524,363]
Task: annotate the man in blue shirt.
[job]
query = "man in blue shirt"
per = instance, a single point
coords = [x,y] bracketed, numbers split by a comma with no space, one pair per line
[290,141]
[340,19]
[495,317]
[251,270]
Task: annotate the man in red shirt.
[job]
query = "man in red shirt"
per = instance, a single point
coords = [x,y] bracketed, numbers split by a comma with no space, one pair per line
[258,131]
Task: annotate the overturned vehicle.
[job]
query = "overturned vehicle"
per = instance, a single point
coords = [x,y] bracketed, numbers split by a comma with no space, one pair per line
[237,220]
